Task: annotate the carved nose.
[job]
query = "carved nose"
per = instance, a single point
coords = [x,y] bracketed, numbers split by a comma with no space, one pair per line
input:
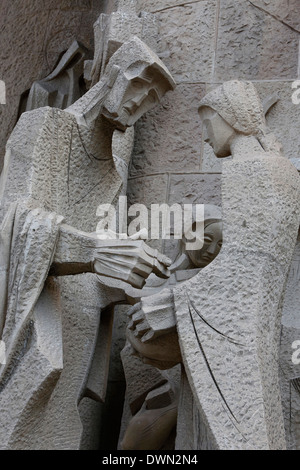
[205,135]
[212,249]
[139,99]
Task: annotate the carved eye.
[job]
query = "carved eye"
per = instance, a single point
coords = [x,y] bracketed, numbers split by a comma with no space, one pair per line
[152,98]
[137,84]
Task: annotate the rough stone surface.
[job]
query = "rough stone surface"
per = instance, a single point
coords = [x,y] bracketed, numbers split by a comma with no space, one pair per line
[147,191]
[229,329]
[157,5]
[253,45]
[168,139]
[232,290]
[195,189]
[289,368]
[284,117]
[286,11]
[187,38]
[55,165]
[202,43]
[33,35]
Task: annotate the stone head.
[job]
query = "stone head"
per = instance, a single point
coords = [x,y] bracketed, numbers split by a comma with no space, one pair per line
[231,109]
[212,244]
[138,81]
[213,237]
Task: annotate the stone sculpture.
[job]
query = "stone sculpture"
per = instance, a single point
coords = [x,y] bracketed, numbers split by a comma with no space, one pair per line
[64,85]
[290,354]
[152,424]
[228,316]
[56,317]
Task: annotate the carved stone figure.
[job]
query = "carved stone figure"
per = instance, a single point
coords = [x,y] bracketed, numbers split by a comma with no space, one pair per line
[290,354]
[228,316]
[152,424]
[64,85]
[56,317]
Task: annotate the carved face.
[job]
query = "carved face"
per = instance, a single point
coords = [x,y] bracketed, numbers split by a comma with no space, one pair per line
[211,247]
[134,93]
[216,132]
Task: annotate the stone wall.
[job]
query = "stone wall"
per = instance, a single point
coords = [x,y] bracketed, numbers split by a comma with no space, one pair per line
[205,43]
[33,35]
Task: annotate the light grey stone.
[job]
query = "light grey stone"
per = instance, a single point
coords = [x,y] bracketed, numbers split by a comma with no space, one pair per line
[187,40]
[246,44]
[168,139]
[289,369]
[33,34]
[195,189]
[283,118]
[286,11]
[158,5]
[63,86]
[222,326]
[55,165]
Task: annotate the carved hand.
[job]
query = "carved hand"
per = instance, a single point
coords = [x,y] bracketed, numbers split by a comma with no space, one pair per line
[153,316]
[162,353]
[152,330]
[131,261]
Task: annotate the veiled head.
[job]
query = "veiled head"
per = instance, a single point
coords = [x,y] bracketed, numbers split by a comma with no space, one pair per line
[231,109]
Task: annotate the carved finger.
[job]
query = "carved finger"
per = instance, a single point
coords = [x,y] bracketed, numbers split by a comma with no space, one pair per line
[148,336]
[160,270]
[136,281]
[143,270]
[141,329]
[157,255]
[137,318]
[134,309]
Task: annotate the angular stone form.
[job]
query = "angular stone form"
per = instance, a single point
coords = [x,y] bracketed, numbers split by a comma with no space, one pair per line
[290,354]
[111,31]
[56,329]
[64,85]
[33,35]
[245,49]
[229,315]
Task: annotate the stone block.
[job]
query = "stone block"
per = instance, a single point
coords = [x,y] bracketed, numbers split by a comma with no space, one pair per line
[210,163]
[287,11]
[32,36]
[252,44]
[187,40]
[157,5]
[195,189]
[168,138]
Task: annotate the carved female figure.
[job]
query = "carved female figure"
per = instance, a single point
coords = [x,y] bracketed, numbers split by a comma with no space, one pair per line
[228,316]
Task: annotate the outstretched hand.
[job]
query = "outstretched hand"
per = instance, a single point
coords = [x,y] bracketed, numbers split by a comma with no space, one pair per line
[131,261]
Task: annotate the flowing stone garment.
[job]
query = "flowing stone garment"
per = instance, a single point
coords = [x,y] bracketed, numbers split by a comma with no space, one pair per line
[229,315]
